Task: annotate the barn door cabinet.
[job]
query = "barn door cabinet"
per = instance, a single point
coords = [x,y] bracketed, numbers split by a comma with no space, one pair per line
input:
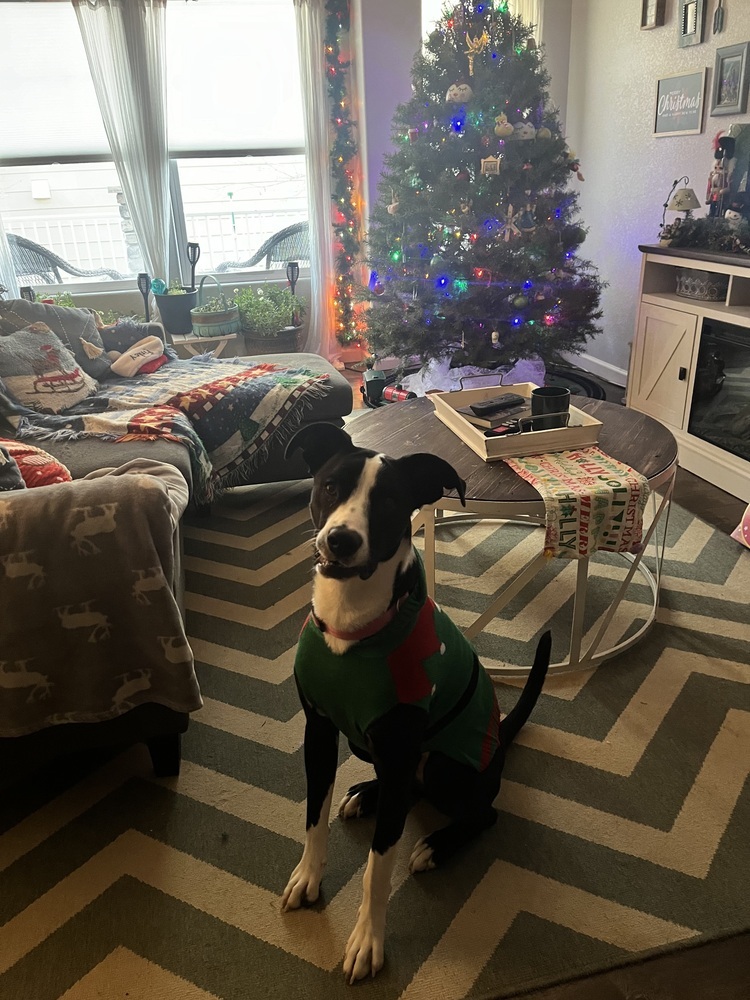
[690,362]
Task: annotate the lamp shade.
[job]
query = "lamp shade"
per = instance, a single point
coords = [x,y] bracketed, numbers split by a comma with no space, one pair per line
[684,200]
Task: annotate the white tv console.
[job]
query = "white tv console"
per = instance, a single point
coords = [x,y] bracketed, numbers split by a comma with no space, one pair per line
[664,358]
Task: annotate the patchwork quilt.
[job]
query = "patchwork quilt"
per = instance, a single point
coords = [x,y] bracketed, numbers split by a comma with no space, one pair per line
[223,411]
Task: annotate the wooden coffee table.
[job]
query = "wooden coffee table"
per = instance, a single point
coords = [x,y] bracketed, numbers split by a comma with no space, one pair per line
[494,491]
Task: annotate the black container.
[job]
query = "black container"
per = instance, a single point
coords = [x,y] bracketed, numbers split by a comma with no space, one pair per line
[174,311]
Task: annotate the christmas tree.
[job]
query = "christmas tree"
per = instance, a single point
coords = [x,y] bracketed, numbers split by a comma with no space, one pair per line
[473,247]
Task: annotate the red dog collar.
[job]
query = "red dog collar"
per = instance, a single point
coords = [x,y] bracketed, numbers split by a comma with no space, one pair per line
[371,628]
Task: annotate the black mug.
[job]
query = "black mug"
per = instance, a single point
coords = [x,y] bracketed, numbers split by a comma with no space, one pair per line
[550,408]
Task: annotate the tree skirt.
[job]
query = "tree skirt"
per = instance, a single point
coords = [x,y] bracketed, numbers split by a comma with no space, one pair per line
[438,375]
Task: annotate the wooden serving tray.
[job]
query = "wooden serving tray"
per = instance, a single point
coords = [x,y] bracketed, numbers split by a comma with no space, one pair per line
[582,431]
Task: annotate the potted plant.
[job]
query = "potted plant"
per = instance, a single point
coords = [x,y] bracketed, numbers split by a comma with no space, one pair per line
[216,316]
[271,317]
[174,306]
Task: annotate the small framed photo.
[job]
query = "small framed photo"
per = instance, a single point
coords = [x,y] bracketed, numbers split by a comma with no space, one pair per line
[679,104]
[652,13]
[729,91]
[690,21]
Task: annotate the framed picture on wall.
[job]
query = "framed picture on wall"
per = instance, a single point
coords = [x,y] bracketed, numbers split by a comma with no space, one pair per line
[652,13]
[729,90]
[690,21]
[679,104]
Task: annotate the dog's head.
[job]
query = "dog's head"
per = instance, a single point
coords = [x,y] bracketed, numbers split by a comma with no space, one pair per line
[362,502]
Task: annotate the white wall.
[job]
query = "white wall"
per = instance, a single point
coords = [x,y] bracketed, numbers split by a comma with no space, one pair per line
[389,35]
[614,66]
[555,38]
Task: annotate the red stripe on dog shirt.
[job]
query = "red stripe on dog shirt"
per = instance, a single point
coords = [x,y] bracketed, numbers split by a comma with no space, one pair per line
[406,663]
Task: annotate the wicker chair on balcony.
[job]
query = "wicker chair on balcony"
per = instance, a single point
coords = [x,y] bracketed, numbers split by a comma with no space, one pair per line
[38,265]
[292,243]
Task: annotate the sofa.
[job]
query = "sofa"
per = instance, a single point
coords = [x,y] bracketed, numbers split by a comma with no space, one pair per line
[61,355]
[83,448]
[93,650]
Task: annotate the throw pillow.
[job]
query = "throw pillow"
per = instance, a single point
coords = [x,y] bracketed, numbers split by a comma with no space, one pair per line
[40,372]
[70,325]
[741,533]
[37,467]
[152,366]
[10,474]
[98,365]
[126,332]
[131,360]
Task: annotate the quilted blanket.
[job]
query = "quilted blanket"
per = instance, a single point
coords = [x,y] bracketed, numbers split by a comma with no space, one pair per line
[223,411]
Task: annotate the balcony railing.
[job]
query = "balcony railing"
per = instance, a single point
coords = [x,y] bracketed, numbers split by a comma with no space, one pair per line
[101,242]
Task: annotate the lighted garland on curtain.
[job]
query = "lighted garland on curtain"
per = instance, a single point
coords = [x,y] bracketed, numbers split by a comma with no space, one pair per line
[345,178]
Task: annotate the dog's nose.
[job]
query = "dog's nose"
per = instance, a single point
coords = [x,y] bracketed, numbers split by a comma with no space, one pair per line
[343,542]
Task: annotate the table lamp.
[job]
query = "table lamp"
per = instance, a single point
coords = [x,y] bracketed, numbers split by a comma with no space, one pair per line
[684,200]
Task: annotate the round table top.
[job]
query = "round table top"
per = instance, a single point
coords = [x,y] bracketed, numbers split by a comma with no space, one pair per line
[399,429]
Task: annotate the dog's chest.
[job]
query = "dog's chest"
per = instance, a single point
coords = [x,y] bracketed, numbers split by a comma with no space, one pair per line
[420,659]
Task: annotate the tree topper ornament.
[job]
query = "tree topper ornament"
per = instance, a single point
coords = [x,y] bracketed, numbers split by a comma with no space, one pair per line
[476,47]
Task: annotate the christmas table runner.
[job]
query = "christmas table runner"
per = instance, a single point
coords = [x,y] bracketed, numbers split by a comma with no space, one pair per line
[593,502]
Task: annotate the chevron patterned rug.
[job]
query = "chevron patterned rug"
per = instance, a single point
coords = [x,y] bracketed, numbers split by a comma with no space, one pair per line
[624,809]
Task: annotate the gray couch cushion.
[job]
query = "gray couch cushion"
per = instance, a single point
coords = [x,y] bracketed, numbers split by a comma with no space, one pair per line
[89,454]
[336,403]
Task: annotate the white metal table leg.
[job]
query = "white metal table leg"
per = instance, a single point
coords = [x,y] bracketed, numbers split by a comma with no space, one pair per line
[429,549]
[579,609]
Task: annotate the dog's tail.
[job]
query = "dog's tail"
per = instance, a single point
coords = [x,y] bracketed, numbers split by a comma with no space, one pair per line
[514,720]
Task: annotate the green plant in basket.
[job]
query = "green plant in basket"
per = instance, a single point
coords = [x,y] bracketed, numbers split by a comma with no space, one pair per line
[58,299]
[214,304]
[267,309]
[215,315]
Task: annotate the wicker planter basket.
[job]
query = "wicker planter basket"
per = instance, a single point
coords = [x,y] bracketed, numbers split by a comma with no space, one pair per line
[285,342]
[215,324]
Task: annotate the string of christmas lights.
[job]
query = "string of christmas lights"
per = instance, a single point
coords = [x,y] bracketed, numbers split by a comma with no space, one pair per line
[345,174]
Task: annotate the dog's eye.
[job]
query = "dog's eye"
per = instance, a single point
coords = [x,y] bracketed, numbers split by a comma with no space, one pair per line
[330,489]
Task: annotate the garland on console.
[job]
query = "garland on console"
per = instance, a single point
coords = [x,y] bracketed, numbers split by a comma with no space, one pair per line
[345,192]
[705,233]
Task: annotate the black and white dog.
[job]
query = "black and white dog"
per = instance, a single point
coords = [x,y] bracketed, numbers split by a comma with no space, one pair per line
[380,662]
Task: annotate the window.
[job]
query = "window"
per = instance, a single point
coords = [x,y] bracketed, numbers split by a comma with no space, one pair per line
[235,131]
[233,87]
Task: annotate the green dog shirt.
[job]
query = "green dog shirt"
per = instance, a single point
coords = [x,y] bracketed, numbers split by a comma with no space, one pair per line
[419,658]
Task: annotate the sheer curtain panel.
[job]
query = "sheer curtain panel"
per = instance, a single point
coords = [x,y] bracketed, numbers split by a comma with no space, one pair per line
[125,43]
[310,18]
[531,11]
[7,272]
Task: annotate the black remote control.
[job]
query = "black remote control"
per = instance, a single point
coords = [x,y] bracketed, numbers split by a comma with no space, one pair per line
[490,406]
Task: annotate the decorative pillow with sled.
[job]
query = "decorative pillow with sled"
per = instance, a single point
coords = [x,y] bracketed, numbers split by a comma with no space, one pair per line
[40,372]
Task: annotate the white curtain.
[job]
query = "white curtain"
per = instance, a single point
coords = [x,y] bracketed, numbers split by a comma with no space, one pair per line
[531,11]
[125,43]
[7,272]
[311,17]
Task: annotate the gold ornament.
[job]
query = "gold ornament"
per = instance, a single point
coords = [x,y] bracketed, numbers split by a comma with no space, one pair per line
[491,166]
[476,47]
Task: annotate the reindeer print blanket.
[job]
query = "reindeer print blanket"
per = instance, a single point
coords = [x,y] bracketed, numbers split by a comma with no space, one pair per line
[90,626]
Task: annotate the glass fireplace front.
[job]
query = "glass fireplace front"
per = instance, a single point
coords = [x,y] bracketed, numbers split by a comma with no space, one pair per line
[720,410]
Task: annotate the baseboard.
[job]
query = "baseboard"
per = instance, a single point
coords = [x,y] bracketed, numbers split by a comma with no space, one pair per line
[613,374]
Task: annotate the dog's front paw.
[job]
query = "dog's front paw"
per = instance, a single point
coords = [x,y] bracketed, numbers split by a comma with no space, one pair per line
[364,950]
[422,857]
[303,885]
[361,800]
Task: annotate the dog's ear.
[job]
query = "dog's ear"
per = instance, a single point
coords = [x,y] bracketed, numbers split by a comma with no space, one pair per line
[318,443]
[426,476]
